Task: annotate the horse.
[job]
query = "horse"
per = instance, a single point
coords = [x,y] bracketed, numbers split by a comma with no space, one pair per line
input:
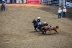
[49,28]
[35,24]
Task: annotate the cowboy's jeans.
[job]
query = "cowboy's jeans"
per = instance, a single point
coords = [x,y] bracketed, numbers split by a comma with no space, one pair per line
[64,14]
[59,15]
[3,7]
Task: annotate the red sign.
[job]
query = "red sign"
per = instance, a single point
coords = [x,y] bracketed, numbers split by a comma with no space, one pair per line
[33,1]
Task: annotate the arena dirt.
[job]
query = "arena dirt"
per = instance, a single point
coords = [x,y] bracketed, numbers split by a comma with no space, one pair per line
[16,28]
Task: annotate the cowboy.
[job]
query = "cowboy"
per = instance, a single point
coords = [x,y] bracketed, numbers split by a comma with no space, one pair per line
[59,12]
[45,24]
[38,19]
[3,5]
[64,12]
[39,22]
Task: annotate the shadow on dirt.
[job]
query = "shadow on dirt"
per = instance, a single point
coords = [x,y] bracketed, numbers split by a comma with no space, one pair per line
[33,31]
[40,33]
[60,33]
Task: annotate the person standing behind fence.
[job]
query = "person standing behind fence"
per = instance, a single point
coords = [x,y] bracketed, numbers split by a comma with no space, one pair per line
[59,12]
[3,5]
[64,12]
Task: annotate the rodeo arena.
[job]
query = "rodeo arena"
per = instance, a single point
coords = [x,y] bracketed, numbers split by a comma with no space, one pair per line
[35,23]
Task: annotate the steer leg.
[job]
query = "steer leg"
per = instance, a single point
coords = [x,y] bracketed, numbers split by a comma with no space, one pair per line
[55,31]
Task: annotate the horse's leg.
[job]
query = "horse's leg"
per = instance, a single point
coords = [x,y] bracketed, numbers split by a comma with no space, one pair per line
[35,29]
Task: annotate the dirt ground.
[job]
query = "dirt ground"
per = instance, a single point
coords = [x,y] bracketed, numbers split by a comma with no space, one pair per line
[16,29]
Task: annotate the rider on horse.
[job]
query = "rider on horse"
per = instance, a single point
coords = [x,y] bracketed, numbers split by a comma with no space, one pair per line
[38,19]
[39,22]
